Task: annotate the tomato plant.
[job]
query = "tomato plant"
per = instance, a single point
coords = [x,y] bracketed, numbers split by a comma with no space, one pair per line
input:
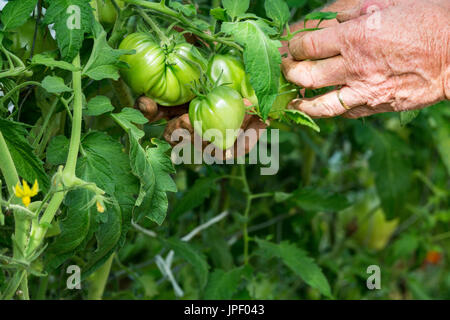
[90,187]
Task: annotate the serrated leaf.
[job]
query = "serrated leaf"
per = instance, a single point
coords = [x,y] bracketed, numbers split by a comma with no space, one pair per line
[408,116]
[46,59]
[261,58]
[98,105]
[298,261]
[196,259]
[104,61]
[298,117]
[195,196]
[152,167]
[278,11]
[223,285]
[218,14]
[16,13]
[390,165]
[320,15]
[55,84]
[57,150]
[72,19]
[186,9]
[29,167]
[236,8]
[319,200]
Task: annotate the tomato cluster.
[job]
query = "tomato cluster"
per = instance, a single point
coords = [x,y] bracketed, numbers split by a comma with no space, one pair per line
[167,73]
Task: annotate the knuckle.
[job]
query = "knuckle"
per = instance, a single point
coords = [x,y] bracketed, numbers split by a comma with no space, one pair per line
[309,46]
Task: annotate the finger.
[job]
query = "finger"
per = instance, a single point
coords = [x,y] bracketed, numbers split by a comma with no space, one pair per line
[318,44]
[365,111]
[364,7]
[315,74]
[328,105]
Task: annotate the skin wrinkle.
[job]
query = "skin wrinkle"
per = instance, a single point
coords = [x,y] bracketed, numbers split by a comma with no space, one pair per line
[394,67]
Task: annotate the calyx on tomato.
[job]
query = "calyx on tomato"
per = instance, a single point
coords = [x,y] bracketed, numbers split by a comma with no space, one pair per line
[218,115]
[228,69]
[164,74]
[22,39]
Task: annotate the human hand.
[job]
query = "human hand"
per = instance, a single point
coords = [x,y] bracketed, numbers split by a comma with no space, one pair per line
[179,119]
[380,70]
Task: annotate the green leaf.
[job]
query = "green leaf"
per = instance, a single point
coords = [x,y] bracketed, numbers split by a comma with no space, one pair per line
[223,285]
[98,105]
[299,262]
[390,165]
[320,15]
[314,199]
[16,13]
[70,24]
[408,116]
[441,132]
[196,259]
[132,115]
[46,59]
[261,58]
[298,117]
[152,167]
[74,228]
[55,84]
[236,8]
[278,11]
[186,9]
[104,61]
[29,167]
[218,14]
[195,196]
[57,150]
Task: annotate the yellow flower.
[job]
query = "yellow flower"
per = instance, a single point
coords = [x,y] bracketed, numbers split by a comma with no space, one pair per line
[100,207]
[25,193]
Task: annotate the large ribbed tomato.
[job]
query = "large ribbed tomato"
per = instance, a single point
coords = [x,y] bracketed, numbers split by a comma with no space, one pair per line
[218,115]
[163,73]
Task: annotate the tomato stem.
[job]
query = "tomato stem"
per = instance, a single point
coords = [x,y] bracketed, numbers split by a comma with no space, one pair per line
[161,8]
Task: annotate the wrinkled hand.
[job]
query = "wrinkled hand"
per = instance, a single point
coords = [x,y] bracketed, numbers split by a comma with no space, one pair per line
[394,59]
[179,119]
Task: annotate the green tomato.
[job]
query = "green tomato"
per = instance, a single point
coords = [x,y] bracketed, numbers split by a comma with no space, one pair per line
[221,109]
[229,70]
[164,75]
[107,13]
[374,230]
[22,39]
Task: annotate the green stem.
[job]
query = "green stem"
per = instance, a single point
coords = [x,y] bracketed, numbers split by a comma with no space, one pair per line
[39,229]
[46,121]
[158,7]
[75,137]
[154,26]
[21,221]
[7,166]
[99,279]
[246,213]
